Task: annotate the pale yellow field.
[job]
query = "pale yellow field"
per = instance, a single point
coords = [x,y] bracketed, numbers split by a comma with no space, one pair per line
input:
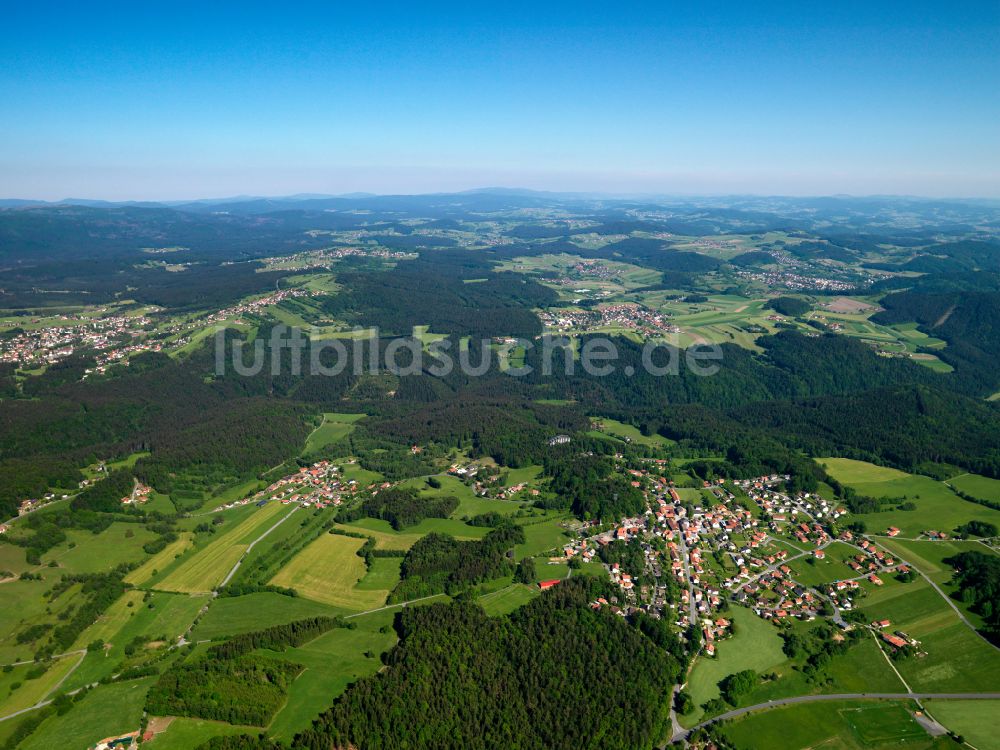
[383,540]
[328,571]
[114,618]
[32,691]
[849,471]
[206,568]
[160,560]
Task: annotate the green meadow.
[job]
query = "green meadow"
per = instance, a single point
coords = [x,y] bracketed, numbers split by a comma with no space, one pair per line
[847,725]
[938,508]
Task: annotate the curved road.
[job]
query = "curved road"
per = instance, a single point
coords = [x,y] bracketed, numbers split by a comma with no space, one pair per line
[942,592]
[835,697]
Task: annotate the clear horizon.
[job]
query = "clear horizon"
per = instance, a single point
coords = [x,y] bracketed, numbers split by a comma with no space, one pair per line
[164,103]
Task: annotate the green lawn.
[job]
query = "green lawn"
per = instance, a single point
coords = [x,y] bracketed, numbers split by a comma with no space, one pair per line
[332,662]
[756,645]
[107,710]
[543,537]
[334,428]
[232,615]
[507,599]
[847,725]
[956,660]
[184,733]
[977,721]
[938,507]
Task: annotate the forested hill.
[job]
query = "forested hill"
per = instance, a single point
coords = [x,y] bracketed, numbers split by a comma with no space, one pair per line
[554,674]
[968,320]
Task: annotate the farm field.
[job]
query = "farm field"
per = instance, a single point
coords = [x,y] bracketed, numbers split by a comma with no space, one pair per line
[103,712]
[928,557]
[938,508]
[956,660]
[334,427]
[183,733]
[328,571]
[160,560]
[755,645]
[355,652]
[232,615]
[203,569]
[977,721]
[505,600]
[119,543]
[848,725]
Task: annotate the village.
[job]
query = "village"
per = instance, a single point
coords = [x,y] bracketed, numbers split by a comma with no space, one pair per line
[320,485]
[701,557]
[628,315]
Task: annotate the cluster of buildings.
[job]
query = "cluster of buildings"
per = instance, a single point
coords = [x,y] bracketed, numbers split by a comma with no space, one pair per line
[113,336]
[140,495]
[257,306]
[324,258]
[320,485]
[625,315]
[788,280]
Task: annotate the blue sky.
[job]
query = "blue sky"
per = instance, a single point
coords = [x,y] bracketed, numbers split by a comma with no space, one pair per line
[181,100]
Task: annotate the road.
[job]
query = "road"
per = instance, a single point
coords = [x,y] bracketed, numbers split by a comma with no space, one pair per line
[836,697]
[250,547]
[944,595]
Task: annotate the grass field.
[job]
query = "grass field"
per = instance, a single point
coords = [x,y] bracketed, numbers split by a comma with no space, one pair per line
[507,599]
[355,653]
[92,553]
[756,645]
[977,721]
[184,733]
[849,471]
[542,537]
[25,604]
[241,614]
[956,660]
[468,503]
[848,725]
[328,571]
[938,507]
[928,557]
[389,538]
[163,618]
[32,691]
[204,568]
[630,434]
[383,575]
[977,486]
[334,428]
[831,568]
[109,709]
[160,560]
